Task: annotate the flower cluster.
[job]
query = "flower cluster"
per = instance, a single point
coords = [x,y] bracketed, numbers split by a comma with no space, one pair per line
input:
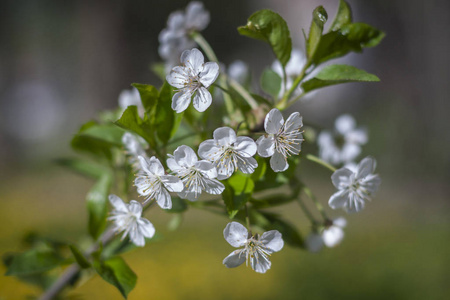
[175,38]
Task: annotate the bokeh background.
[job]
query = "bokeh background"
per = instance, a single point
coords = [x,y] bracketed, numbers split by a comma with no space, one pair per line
[63,61]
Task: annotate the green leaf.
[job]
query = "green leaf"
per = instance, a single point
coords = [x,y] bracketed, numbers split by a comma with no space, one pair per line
[33,261]
[350,38]
[166,119]
[343,16]
[79,257]
[320,17]
[130,120]
[238,190]
[260,170]
[336,74]
[149,96]
[97,205]
[83,167]
[271,83]
[270,27]
[116,272]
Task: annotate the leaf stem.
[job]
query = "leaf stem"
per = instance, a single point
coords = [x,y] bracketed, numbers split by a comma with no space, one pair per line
[307,212]
[320,162]
[242,91]
[247,219]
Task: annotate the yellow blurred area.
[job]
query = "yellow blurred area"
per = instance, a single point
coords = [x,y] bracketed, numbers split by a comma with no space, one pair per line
[396,248]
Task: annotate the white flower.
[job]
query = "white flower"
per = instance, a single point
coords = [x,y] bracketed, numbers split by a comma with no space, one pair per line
[153,183]
[131,97]
[174,39]
[283,139]
[238,70]
[229,153]
[192,78]
[256,249]
[331,236]
[134,148]
[344,144]
[354,188]
[197,176]
[127,218]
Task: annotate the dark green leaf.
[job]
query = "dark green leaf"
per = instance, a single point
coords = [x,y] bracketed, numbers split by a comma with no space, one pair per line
[79,257]
[350,38]
[320,17]
[130,120]
[270,27]
[88,140]
[116,272]
[271,83]
[82,167]
[343,16]
[149,96]
[166,119]
[33,261]
[97,206]
[336,74]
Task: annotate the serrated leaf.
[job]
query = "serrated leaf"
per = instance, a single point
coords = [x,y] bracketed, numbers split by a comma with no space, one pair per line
[320,17]
[83,167]
[350,38]
[336,74]
[97,206]
[166,119]
[33,261]
[149,96]
[271,83]
[116,272]
[343,16]
[270,27]
[130,120]
[89,140]
[79,257]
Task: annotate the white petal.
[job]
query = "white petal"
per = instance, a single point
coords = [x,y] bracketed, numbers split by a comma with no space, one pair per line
[172,183]
[178,77]
[197,18]
[272,240]
[235,234]
[193,59]
[176,20]
[225,136]
[357,136]
[371,183]
[155,166]
[332,236]
[207,169]
[235,259]
[340,222]
[117,203]
[278,162]
[137,237]
[260,264]
[344,124]
[185,156]
[314,242]
[339,199]
[349,152]
[245,146]
[294,122]
[209,150]
[340,178]
[163,199]
[181,100]
[224,171]
[366,167]
[209,74]
[266,146]
[190,195]
[135,208]
[147,229]
[173,165]
[247,165]
[202,99]
[213,186]
[273,122]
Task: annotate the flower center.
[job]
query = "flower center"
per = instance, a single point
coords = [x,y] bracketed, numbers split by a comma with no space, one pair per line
[287,143]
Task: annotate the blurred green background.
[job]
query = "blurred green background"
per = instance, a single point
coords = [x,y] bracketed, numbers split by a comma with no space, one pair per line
[63,61]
